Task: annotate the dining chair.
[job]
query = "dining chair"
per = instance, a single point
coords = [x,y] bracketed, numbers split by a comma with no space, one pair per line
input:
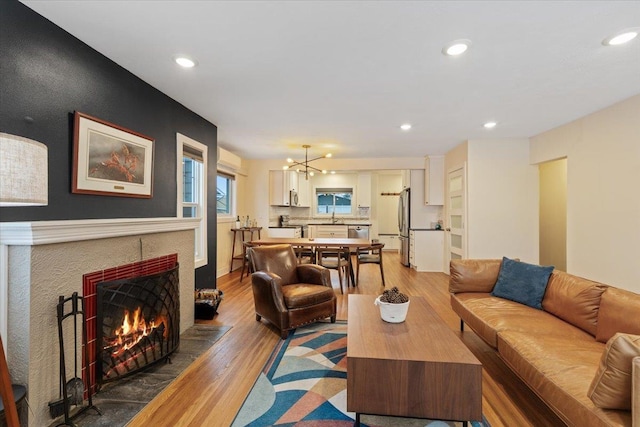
[335,258]
[371,254]
[305,254]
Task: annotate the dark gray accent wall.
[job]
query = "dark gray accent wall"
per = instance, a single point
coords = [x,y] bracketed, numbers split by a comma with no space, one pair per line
[45,75]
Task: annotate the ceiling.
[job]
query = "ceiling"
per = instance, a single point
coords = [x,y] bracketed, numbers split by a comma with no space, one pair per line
[342,76]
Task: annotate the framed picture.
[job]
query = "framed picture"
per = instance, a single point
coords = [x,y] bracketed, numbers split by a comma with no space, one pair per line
[110,160]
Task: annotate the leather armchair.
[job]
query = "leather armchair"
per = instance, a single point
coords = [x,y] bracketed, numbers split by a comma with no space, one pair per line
[289,294]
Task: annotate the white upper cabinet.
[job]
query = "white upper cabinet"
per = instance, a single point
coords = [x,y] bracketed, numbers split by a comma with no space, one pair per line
[281,184]
[434,180]
[364,190]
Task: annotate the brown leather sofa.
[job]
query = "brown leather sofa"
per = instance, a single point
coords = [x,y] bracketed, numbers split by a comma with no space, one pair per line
[289,294]
[556,351]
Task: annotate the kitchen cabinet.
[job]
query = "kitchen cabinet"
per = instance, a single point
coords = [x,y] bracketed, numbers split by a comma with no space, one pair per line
[434,180]
[391,242]
[281,184]
[331,231]
[363,197]
[294,232]
[426,250]
[421,215]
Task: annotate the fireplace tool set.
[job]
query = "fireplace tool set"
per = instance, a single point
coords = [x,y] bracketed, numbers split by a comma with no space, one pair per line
[72,390]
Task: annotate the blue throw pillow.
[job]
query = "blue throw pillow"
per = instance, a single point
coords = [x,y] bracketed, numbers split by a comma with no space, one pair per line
[522,282]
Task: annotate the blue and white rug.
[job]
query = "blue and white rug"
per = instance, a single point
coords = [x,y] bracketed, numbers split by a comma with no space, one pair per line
[304,384]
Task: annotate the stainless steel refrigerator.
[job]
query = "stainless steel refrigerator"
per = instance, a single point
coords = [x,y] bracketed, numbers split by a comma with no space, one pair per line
[403,225]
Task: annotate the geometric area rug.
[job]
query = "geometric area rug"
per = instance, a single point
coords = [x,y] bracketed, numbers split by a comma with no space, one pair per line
[304,384]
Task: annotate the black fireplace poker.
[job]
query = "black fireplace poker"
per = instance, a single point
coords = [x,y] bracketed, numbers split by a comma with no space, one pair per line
[72,390]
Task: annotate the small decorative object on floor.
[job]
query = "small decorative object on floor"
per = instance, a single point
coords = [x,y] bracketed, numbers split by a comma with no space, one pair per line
[394,305]
[207,302]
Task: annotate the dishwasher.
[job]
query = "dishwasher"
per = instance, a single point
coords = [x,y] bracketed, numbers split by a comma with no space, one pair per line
[357,232]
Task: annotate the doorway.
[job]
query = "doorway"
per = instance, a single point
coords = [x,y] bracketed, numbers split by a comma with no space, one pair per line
[456,215]
[553,213]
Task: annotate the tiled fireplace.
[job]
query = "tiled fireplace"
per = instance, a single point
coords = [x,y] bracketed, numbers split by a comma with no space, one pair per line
[132,316]
[43,260]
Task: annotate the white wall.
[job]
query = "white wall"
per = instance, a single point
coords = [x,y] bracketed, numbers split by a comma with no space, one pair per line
[502,191]
[386,207]
[603,207]
[224,234]
[502,198]
[553,213]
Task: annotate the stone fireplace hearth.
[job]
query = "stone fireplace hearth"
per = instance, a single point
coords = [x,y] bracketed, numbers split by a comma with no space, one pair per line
[45,259]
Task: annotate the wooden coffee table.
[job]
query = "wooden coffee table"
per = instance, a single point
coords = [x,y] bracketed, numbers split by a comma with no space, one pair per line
[417,369]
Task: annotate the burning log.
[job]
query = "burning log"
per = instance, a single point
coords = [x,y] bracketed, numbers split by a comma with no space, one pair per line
[133,330]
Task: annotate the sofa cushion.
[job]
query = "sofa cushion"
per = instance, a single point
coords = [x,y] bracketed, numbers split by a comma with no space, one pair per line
[473,275]
[488,316]
[574,299]
[618,313]
[522,282]
[559,370]
[611,386]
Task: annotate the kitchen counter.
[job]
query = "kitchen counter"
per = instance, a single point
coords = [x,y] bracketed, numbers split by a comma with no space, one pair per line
[361,224]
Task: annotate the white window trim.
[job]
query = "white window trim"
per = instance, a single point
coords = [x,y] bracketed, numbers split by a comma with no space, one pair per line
[230,217]
[181,141]
[314,202]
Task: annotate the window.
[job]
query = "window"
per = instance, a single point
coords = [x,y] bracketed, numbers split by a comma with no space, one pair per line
[192,190]
[191,186]
[336,201]
[224,194]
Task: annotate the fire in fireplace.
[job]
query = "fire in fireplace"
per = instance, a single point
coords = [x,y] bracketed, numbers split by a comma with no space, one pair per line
[133,330]
[138,323]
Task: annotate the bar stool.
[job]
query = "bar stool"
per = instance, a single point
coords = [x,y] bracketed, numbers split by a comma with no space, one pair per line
[242,231]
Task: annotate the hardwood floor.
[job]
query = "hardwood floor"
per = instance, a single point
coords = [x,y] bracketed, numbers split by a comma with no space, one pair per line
[212,389]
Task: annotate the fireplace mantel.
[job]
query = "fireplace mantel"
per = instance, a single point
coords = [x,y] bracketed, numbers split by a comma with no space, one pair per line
[48,232]
[36,248]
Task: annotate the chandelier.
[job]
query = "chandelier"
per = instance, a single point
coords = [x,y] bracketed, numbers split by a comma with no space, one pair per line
[304,166]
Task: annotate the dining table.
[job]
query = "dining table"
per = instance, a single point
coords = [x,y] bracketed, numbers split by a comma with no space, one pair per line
[310,242]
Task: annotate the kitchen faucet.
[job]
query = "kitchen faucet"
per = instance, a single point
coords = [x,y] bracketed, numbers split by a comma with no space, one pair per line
[333,217]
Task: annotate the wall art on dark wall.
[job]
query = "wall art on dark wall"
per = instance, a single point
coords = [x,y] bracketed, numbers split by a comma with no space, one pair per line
[111,160]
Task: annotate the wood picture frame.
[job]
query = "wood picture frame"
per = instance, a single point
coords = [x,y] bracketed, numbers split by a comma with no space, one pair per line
[110,160]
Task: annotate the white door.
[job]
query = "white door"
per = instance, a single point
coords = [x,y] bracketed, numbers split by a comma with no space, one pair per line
[456,216]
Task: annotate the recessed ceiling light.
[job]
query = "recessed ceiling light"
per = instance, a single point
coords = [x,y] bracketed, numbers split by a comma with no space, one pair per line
[456,47]
[490,125]
[621,38]
[185,61]
[405,126]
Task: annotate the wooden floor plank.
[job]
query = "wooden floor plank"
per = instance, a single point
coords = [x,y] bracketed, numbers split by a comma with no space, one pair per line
[212,390]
